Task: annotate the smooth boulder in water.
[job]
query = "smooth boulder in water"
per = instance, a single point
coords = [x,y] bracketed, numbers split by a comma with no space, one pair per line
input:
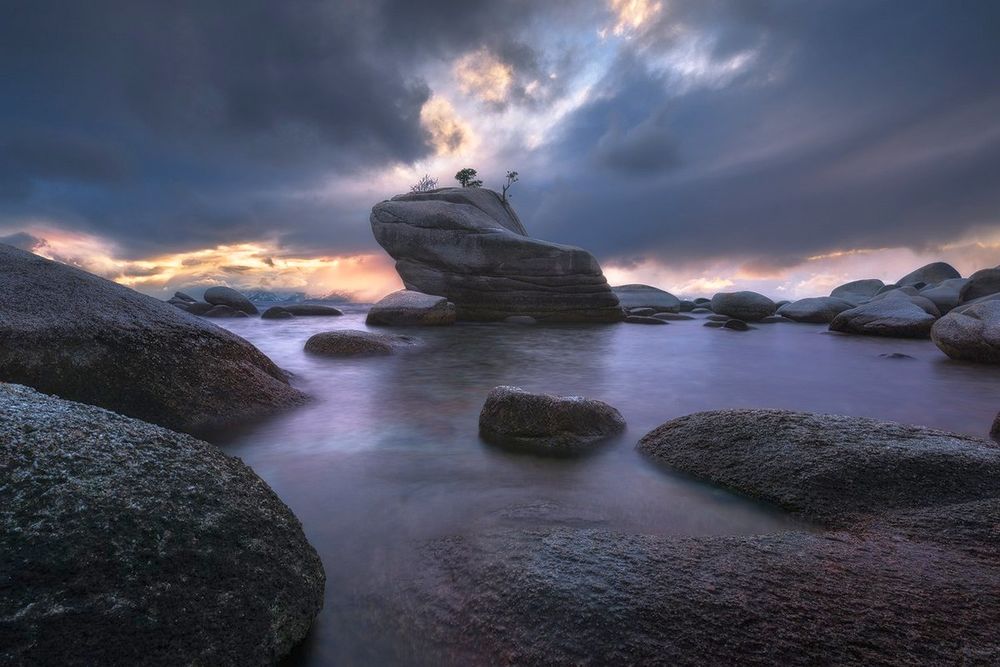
[819,310]
[312,310]
[896,318]
[644,296]
[67,332]
[468,245]
[276,313]
[223,311]
[227,296]
[972,334]
[409,308]
[644,319]
[746,306]
[123,543]
[354,343]
[546,423]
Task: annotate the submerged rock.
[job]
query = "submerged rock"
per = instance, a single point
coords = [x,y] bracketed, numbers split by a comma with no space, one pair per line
[895,355]
[644,296]
[736,325]
[70,333]
[903,567]
[123,543]
[409,308]
[644,319]
[972,334]
[898,318]
[641,311]
[546,423]
[467,245]
[353,343]
[820,310]
[312,310]
[227,296]
[747,306]
[672,317]
[930,274]
[223,311]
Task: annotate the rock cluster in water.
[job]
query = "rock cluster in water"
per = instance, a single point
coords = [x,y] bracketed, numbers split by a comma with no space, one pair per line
[67,332]
[123,543]
[468,245]
[900,564]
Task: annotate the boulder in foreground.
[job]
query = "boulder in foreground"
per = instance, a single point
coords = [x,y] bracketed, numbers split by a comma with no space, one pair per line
[972,334]
[467,245]
[893,317]
[747,306]
[408,308]
[123,543]
[353,343]
[546,423]
[67,332]
[930,274]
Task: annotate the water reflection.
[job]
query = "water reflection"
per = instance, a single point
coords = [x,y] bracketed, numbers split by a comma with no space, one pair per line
[388,454]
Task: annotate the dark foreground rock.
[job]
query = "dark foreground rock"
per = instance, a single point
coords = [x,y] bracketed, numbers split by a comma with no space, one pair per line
[70,333]
[409,308]
[747,306]
[895,317]
[122,543]
[352,343]
[644,296]
[904,568]
[972,334]
[227,296]
[223,312]
[546,423]
[467,245]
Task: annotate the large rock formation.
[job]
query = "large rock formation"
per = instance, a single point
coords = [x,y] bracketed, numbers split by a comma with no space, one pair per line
[902,568]
[467,245]
[123,543]
[70,333]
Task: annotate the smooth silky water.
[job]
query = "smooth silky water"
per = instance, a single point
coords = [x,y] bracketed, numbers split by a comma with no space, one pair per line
[387,455]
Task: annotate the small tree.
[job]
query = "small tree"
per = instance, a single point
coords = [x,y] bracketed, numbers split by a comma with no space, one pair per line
[467,177]
[511,180]
[424,184]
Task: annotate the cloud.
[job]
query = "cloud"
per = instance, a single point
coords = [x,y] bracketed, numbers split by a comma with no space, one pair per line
[448,134]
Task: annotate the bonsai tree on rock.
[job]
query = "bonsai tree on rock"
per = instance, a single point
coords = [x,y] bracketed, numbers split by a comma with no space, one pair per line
[511,180]
[467,178]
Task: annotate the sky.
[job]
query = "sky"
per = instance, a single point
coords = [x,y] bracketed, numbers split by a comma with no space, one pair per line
[696,145]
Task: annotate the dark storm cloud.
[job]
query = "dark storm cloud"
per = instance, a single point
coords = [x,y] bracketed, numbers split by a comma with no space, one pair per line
[856,124]
[173,125]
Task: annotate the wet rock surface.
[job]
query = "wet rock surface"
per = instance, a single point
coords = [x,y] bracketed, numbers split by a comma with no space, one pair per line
[123,543]
[354,343]
[409,308]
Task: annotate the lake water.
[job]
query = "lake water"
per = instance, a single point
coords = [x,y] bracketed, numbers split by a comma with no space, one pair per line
[387,456]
